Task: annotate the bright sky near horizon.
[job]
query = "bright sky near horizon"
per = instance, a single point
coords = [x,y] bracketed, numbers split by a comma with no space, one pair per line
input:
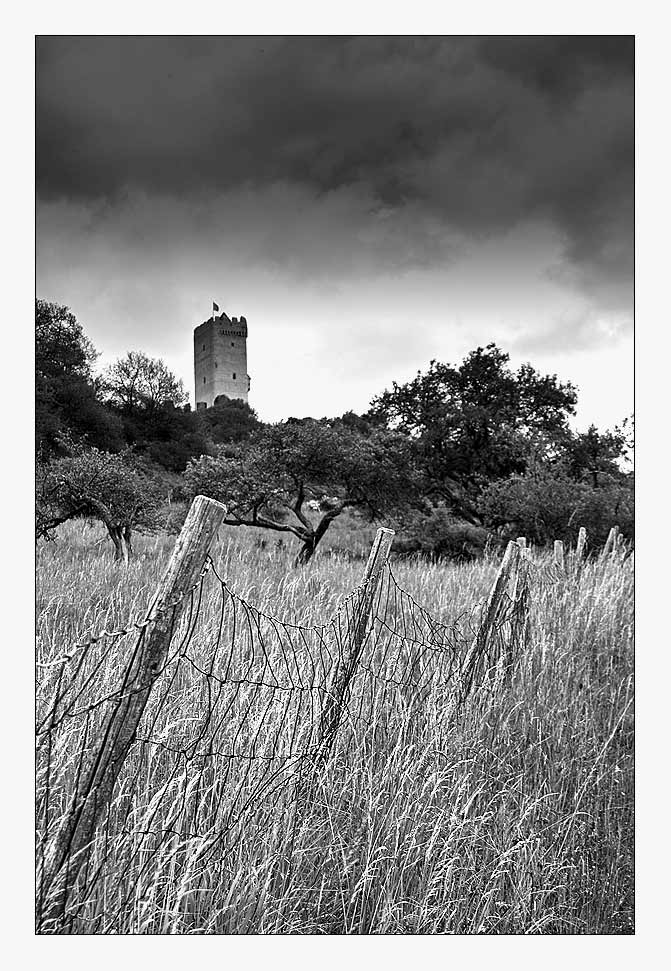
[368,204]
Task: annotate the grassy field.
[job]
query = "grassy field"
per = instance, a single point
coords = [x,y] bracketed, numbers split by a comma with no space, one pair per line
[514,816]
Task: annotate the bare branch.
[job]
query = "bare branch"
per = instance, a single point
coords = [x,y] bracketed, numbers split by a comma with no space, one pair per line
[264,523]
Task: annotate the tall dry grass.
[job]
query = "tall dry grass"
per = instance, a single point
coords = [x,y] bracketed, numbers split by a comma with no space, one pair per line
[514,817]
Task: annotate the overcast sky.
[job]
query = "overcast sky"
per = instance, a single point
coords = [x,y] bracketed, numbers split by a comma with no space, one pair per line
[367,203]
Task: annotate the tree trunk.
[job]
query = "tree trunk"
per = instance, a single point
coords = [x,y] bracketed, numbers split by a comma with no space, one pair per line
[310,543]
[121,537]
[119,533]
[306,551]
[128,537]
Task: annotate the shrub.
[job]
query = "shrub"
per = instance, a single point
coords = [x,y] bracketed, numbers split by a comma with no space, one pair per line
[545,504]
[438,534]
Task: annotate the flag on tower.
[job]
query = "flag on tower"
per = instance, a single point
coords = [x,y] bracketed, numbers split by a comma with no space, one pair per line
[215,307]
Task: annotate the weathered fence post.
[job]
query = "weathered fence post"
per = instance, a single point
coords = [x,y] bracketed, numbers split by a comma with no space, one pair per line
[581,546]
[68,851]
[361,610]
[525,564]
[558,554]
[611,541]
[521,571]
[508,567]
[520,625]
[618,549]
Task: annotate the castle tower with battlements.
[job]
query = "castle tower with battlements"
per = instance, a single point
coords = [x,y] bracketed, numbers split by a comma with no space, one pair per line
[220,360]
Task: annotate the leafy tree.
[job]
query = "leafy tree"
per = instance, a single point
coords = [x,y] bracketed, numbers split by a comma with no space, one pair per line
[268,482]
[364,424]
[113,488]
[151,404]
[137,383]
[626,429]
[596,453]
[229,420]
[61,346]
[168,436]
[546,504]
[67,398]
[478,422]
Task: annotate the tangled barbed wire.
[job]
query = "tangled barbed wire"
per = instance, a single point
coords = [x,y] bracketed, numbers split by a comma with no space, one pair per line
[243,709]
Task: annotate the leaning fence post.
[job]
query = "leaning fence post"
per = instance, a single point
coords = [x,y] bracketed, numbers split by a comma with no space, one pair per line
[73,840]
[581,545]
[611,541]
[363,601]
[558,554]
[509,564]
[520,627]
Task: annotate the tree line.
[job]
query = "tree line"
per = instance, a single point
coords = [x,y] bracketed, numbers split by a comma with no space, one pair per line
[453,457]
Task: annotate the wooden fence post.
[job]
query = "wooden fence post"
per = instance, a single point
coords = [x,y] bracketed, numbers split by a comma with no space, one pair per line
[618,549]
[525,558]
[581,546]
[522,542]
[558,555]
[521,570]
[74,839]
[509,565]
[520,625]
[611,541]
[362,605]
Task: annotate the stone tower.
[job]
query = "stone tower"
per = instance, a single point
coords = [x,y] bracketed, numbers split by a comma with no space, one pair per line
[220,360]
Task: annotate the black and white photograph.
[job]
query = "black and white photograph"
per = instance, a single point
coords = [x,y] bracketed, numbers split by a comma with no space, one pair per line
[334,484]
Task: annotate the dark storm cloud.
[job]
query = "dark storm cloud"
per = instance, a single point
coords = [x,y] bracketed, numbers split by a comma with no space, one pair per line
[181,115]
[481,132]
[561,66]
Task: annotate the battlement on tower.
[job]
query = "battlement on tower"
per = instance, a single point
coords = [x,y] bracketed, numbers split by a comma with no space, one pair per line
[220,360]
